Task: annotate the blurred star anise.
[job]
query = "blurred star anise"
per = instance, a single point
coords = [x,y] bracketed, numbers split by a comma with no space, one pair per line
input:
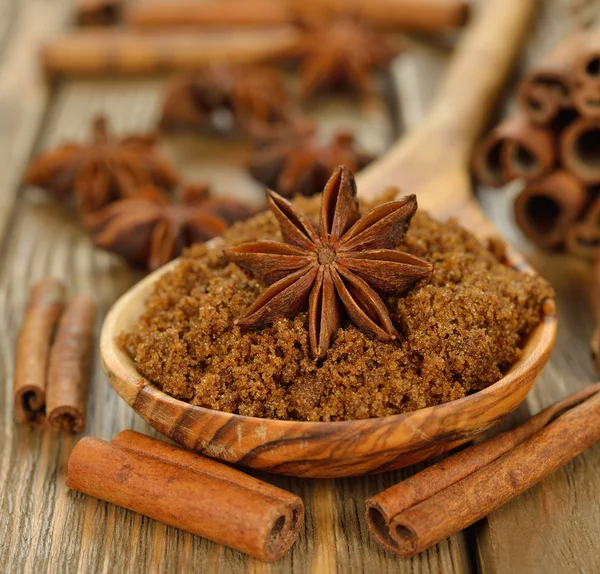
[151,229]
[293,162]
[342,53]
[252,94]
[102,170]
[98,12]
[346,262]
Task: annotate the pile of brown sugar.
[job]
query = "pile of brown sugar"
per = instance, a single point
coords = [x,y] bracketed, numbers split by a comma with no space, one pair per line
[459,333]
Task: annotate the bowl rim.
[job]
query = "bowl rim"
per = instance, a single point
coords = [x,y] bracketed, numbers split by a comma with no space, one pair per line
[120,369]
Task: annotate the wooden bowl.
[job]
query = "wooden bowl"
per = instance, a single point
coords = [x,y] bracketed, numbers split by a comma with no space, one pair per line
[316,449]
[432,161]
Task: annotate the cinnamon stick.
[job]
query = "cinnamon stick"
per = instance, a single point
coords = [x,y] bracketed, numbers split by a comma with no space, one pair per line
[587,100]
[489,162]
[230,13]
[456,492]
[580,149]
[540,103]
[515,148]
[188,491]
[587,64]
[416,15]
[529,151]
[97,52]
[583,239]
[69,367]
[546,209]
[549,87]
[33,350]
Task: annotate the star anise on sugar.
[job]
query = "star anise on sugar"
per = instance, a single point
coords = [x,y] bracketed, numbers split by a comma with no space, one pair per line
[151,229]
[250,94]
[294,162]
[347,262]
[101,170]
[341,53]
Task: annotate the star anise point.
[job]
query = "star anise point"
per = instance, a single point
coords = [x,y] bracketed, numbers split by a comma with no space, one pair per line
[346,261]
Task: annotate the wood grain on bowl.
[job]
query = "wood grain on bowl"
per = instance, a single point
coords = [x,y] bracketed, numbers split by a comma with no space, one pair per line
[432,162]
[317,449]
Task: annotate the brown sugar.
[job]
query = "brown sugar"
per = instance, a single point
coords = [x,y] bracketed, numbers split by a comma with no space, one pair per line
[459,333]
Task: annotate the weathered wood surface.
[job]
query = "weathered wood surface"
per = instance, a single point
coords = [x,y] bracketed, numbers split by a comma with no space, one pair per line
[46,527]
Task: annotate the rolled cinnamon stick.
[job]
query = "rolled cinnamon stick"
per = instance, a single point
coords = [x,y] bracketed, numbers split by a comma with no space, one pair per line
[587,100]
[416,15]
[583,238]
[540,103]
[33,350]
[529,150]
[188,491]
[383,507]
[478,481]
[489,160]
[580,149]
[546,209]
[183,13]
[94,52]
[515,148]
[69,367]
[549,86]
[587,64]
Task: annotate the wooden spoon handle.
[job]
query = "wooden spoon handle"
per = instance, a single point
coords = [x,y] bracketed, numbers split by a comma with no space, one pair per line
[445,138]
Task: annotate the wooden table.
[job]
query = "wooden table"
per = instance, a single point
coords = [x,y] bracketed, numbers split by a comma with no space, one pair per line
[555,527]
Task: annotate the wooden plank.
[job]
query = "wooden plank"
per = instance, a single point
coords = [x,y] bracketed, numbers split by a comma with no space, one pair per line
[24,25]
[50,527]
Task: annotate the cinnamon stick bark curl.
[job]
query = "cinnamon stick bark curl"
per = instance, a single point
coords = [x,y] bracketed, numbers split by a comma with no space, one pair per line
[188,491]
[515,148]
[580,149]
[417,15]
[546,209]
[33,349]
[70,367]
[456,492]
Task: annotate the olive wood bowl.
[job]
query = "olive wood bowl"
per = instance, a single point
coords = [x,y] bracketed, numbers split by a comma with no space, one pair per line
[432,161]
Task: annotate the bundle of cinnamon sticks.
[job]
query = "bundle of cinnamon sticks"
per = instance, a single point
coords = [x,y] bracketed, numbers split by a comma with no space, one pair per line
[454,493]
[164,35]
[188,491]
[552,143]
[54,358]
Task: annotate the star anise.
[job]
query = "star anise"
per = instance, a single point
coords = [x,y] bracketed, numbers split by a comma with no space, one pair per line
[293,162]
[252,94]
[98,12]
[345,262]
[341,53]
[151,229]
[101,170]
